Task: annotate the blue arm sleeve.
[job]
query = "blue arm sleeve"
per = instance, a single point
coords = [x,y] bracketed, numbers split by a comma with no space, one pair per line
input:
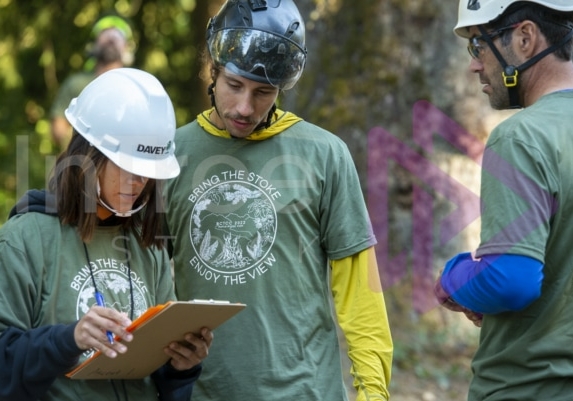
[30,360]
[494,283]
[174,385]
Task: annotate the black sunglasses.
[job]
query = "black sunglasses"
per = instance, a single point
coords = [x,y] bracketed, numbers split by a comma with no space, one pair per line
[475,47]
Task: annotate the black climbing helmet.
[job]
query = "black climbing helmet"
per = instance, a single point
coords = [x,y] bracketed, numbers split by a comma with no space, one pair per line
[260,40]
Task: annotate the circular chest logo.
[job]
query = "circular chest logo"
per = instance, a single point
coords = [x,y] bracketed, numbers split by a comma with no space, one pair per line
[233,226]
[114,282]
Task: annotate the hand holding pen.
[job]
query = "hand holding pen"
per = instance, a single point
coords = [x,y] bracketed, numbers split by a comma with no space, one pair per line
[94,330]
[100,301]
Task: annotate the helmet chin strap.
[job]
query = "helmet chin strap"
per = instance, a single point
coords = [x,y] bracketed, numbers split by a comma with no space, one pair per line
[510,72]
[129,213]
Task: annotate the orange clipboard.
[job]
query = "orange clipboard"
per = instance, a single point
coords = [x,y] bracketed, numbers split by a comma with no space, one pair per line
[152,332]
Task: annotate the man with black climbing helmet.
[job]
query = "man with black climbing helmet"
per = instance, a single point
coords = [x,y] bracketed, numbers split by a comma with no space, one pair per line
[268,211]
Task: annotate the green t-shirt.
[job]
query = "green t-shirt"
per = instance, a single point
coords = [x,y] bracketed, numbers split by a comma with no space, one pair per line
[256,221]
[527,205]
[46,280]
[70,89]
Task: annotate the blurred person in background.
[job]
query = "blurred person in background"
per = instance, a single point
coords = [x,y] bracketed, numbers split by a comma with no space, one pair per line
[112,46]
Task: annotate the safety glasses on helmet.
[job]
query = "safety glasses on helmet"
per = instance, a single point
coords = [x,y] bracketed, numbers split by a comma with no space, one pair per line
[258,55]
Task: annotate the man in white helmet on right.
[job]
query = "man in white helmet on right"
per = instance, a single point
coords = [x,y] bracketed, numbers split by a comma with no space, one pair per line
[518,285]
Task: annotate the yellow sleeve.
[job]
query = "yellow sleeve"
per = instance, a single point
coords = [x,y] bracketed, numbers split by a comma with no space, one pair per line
[361,311]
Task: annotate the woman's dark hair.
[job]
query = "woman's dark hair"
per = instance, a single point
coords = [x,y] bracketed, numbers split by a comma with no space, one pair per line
[553,24]
[74,182]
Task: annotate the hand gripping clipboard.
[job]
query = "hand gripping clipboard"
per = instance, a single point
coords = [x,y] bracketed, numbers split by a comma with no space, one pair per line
[153,331]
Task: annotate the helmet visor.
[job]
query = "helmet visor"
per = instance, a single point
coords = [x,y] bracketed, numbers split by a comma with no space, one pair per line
[258,55]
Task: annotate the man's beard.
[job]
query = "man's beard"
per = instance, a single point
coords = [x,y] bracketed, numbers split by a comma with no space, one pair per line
[107,53]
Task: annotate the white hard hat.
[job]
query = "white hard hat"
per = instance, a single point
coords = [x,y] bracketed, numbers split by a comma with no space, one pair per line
[127,114]
[481,12]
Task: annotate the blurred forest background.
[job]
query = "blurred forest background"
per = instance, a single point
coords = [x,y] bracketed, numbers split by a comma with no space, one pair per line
[387,76]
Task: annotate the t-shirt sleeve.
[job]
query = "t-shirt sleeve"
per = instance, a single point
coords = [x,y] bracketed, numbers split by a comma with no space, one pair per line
[345,225]
[517,195]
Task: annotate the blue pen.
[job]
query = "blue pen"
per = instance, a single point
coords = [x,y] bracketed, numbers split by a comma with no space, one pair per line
[100,301]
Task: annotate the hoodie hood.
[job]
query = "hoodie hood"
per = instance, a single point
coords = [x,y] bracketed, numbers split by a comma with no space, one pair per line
[35,200]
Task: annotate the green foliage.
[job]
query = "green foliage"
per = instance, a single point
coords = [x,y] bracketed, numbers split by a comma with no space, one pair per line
[44,41]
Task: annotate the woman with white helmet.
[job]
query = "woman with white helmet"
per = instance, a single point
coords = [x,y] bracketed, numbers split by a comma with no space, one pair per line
[96,230]
[517,286]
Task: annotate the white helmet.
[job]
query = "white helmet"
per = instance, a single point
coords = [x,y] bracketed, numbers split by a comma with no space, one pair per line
[481,12]
[127,114]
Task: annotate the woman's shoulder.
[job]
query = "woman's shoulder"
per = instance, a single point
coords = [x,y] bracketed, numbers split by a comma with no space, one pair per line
[29,227]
